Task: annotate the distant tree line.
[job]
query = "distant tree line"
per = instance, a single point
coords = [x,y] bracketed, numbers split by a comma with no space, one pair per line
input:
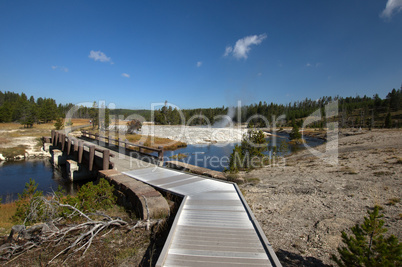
[18,107]
[352,112]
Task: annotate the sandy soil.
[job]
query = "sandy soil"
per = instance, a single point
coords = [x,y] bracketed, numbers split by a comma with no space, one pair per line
[304,205]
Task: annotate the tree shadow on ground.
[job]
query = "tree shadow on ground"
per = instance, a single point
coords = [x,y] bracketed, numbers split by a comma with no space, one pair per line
[292,259]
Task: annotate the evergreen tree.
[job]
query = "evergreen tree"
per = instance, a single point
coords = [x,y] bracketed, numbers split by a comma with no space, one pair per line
[59,123]
[388,121]
[368,246]
[250,151]
[295,134]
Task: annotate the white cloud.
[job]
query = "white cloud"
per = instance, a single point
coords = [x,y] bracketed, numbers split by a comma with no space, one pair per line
[242,46]
[392,7]
[125,75]
[60,68]
[199,64]
[98,55]
[313,65]
[228,50]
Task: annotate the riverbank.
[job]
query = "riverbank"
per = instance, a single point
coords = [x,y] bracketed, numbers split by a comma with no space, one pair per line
[18,142]
[304,205]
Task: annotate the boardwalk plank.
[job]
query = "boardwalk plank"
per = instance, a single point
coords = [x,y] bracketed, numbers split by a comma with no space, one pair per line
[213,228]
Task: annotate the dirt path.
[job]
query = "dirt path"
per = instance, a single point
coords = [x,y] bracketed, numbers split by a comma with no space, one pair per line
[304,206]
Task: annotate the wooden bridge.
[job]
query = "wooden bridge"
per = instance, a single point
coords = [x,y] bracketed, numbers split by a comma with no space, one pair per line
[214,226]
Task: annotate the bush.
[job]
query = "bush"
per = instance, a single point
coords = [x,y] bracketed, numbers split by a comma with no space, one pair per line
[96,197]
[250,152]
[368,246]
[24,203]
[59,123]
[31,208]
[295,134]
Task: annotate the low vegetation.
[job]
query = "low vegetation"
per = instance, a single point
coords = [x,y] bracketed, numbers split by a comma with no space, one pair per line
[60,229]
[11,152]
[368,246]
[179,156]
[249,154]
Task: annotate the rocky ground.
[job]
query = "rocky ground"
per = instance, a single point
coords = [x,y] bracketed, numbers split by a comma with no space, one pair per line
[304,205]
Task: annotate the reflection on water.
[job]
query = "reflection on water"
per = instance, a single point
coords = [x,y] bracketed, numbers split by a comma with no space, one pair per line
[15,174]
[216,156]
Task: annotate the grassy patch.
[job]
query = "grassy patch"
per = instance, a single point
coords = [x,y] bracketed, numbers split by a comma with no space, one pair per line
[231,177]
[146,140]
[349,170]
[11,152]
[155,142]
[179,156]
[253,180]
[382,173]
[393,201]
[6,211]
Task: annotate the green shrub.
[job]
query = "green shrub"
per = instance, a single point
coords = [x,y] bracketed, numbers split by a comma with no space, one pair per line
[24,203]
[59,124]
[295,134]
[31,208]
[250,152]
[96,197]
[368,246]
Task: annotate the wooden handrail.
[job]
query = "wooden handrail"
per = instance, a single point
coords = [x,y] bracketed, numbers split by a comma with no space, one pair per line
[59,137]
[124,143]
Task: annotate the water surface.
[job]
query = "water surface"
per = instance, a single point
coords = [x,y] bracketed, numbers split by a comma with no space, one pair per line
[216,156]
[15,174]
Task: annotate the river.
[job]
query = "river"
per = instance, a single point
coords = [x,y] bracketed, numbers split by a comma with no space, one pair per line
[216,156]
[15,174]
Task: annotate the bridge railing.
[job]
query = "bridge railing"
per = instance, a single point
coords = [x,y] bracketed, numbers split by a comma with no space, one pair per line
[127,145]
[71,144]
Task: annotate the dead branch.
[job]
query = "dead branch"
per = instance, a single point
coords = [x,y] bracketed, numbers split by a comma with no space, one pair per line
[79,236]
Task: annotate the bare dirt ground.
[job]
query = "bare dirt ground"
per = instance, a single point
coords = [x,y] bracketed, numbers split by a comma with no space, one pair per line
[303,206]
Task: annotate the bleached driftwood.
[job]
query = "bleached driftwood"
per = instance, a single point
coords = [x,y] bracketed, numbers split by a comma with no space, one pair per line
[80,236]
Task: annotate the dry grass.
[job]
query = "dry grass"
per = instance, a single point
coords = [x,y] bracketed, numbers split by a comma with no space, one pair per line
[116,248]
[393,201]
[349,170]
[11,152]
[155,142]
[149,141]
[6,211]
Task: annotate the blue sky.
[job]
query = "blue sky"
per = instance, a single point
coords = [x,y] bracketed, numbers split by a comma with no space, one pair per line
[199,53]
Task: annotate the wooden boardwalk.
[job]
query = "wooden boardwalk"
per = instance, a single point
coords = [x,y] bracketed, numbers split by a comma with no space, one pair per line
[214,225]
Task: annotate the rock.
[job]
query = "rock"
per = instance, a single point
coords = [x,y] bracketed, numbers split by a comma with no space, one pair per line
[2,158]
[16,229]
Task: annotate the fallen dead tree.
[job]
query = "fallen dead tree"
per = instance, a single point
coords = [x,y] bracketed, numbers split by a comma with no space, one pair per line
[69,238]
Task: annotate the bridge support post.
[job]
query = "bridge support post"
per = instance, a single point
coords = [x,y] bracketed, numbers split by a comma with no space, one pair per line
[91,157]
[106,158]
[76,171]
[68,145]
[58,158]
[160,156]
[80,151]
[63,141]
